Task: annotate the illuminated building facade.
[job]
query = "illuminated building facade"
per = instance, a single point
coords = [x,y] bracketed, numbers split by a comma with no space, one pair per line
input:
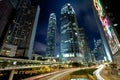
[82,39]
[99,50]
[113,12]
[85,48]
[51,43]
[19,39]
[108,30]
[70,42]
[111,7]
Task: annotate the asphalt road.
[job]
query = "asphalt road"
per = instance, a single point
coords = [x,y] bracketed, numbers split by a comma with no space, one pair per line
[61,74]
[53,75]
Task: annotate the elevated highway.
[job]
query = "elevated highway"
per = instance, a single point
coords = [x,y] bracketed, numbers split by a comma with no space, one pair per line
[13,63]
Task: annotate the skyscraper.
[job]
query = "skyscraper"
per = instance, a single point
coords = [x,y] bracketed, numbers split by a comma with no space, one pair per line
[19,39]
[111,7]
[70,42]
[51,36]
[108,33]
[113,13]
[99,50]
[5,13]
[85,48]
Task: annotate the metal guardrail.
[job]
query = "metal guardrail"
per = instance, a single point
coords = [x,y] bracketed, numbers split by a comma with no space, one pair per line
[12,63]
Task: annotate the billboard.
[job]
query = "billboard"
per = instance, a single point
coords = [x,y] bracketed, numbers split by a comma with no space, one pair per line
[107,27]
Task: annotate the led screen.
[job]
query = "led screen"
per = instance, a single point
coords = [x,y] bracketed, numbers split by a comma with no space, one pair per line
[108,29]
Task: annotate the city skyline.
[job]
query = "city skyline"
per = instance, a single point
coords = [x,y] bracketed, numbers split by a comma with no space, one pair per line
[59,39]
[84,13]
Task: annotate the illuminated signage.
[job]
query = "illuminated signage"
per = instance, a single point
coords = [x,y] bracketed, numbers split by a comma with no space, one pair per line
[109,32]
[98,7]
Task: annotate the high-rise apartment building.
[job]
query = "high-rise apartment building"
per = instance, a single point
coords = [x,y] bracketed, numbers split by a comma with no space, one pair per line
[70,42]
[82,39]
[107,29]
[51,36]
[19,39]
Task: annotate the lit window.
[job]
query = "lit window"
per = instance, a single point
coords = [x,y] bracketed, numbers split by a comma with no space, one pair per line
[76,34]
[66,55]
[115,25]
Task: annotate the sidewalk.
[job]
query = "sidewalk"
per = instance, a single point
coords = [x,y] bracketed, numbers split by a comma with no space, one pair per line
[108,74]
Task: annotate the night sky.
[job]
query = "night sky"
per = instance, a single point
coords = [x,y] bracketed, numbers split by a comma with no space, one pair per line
[84,14]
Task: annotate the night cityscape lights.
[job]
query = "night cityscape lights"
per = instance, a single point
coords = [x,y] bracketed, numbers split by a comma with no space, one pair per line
[70,41]
[20,36]
[51,35]
[59,40]
[108,29]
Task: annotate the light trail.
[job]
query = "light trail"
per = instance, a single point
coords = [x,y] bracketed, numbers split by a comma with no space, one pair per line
[59,73]
[98,72]
[65,72]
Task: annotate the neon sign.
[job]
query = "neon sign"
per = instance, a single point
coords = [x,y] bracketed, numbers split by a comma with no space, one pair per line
[107,26]
[109,32]
[98,7]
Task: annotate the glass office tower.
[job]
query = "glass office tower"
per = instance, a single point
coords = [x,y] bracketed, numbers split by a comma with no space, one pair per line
[70,42]
[51,43]
[19,39]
